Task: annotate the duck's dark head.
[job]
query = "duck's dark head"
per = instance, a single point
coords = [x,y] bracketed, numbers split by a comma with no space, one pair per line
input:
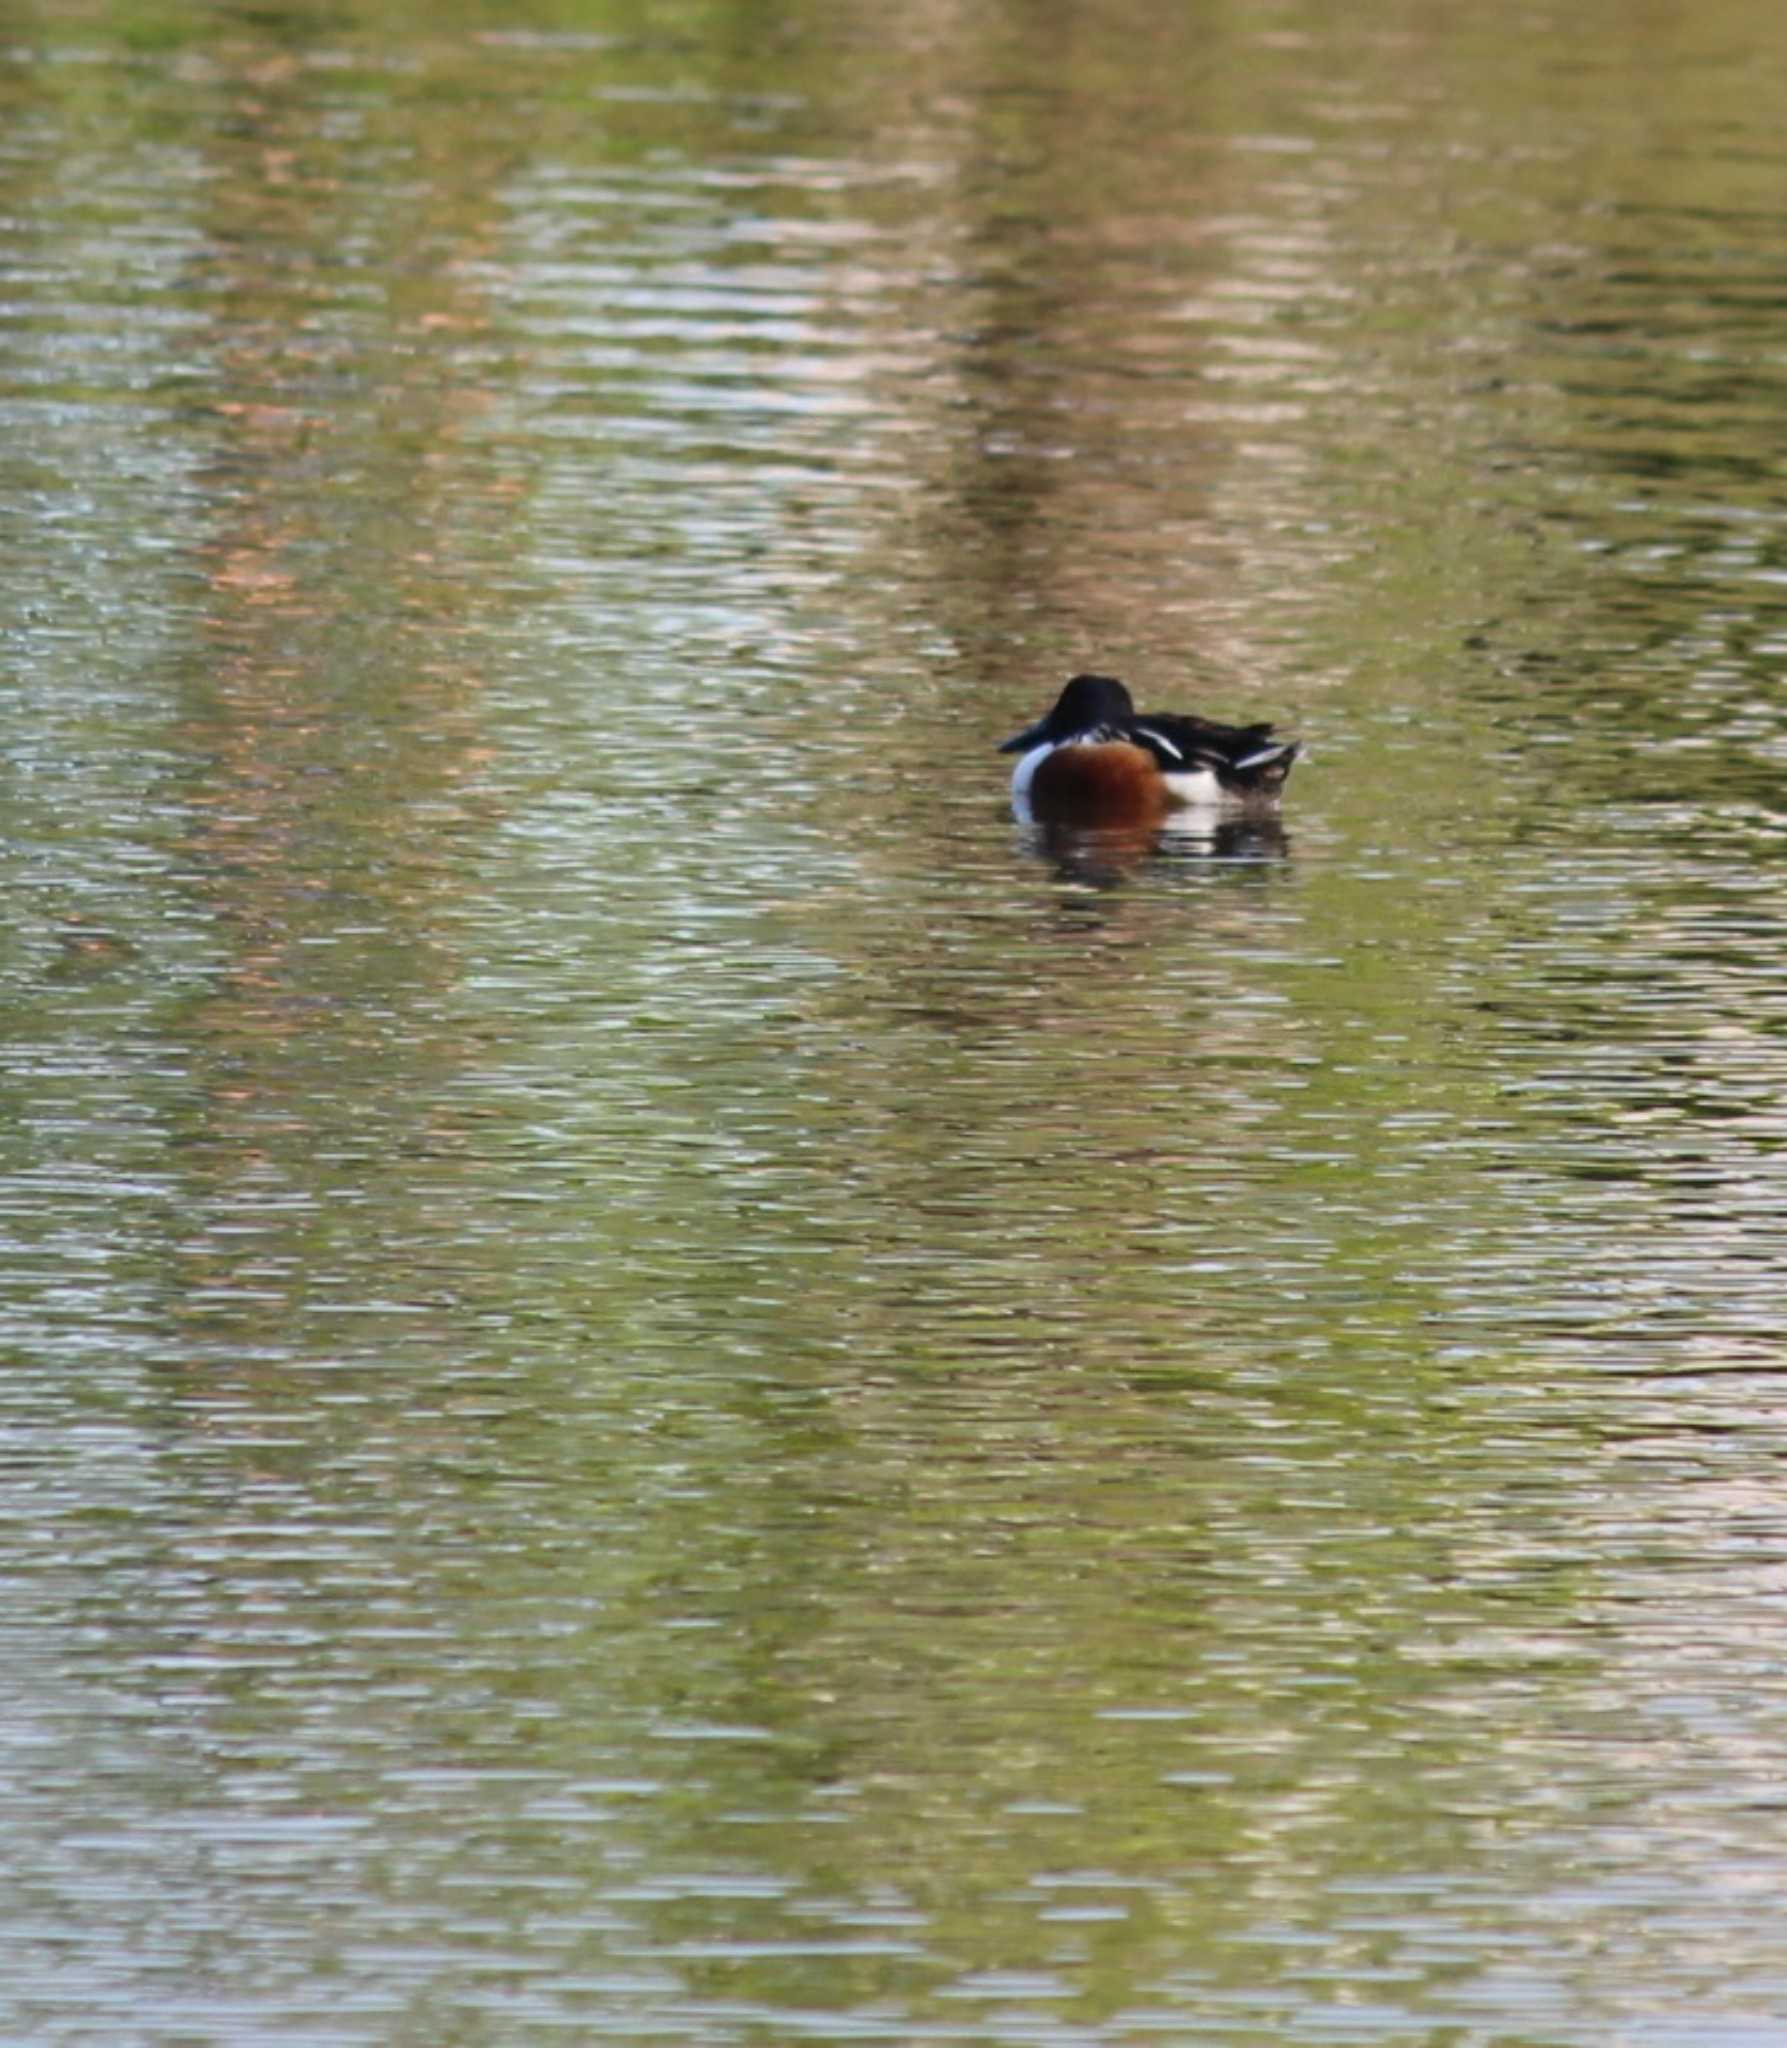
[1086,703]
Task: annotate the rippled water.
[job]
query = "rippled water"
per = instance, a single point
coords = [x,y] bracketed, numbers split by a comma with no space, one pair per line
[665,1383]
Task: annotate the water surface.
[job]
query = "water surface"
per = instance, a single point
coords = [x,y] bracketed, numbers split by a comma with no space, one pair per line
[666,1383]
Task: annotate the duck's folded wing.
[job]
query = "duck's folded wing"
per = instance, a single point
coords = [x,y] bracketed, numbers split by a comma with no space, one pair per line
[1182,741]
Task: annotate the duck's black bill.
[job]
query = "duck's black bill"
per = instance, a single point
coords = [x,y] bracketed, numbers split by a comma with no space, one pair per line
[1021,742]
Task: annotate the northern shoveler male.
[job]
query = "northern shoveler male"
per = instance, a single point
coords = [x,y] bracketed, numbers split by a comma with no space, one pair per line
[1095,759]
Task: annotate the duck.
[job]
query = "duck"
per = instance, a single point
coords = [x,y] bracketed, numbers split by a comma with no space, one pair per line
[1093,759]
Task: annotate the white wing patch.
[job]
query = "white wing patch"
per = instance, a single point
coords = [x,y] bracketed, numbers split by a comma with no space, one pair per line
[1160,739]
[1198,788]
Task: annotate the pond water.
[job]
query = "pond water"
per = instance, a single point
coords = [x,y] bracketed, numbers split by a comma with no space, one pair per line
[663,1382]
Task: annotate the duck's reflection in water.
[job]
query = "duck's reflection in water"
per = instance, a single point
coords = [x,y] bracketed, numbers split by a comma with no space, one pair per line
[1103,856]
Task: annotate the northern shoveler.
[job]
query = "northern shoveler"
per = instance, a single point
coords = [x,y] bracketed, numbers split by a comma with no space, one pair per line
[1094,758]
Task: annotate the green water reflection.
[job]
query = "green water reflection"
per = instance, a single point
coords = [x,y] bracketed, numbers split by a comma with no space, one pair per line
[665,1383]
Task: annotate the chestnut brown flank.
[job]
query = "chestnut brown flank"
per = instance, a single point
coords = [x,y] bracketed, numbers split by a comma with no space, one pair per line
[1085,784]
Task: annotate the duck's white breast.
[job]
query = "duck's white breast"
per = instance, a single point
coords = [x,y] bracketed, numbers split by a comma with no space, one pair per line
[1025,772]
